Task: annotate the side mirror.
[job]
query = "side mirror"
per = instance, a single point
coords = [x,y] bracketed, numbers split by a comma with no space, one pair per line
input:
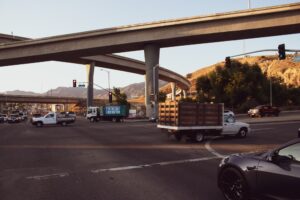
[272,157]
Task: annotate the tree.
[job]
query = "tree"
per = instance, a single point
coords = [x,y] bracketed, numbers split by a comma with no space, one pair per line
[120,98]
[242,86]
[162,96]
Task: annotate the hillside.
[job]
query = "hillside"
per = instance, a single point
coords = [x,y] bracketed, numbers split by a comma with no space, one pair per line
[288,70]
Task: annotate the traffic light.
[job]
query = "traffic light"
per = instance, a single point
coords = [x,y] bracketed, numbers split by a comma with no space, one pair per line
[110,97]
[227,62]
[281,51]
[74,83]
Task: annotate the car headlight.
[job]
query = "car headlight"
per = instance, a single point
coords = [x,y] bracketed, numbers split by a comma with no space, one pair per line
[224,161]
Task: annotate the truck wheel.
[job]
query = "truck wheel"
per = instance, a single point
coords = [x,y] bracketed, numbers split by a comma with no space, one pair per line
[39,124]
[199,137]
[92,120]
[64,123]
[242,133]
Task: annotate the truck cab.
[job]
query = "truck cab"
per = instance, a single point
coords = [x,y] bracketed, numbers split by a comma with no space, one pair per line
[233,127]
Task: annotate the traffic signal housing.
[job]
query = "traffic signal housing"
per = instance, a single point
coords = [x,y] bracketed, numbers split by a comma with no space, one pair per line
[281,51]
[227,62]
[110,97]
[74,83]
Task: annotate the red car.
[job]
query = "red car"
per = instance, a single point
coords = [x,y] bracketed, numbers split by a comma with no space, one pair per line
[264,110]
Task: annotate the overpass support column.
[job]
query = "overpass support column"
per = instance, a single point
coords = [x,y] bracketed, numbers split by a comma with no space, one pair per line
[173,91]
[90,79]
[151,52]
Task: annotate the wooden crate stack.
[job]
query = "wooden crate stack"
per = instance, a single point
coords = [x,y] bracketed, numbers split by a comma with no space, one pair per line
[174,113]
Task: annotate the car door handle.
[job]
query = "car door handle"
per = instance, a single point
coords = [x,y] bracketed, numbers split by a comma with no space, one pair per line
[251,168]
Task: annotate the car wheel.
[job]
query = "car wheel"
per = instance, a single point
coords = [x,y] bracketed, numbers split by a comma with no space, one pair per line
[199,137]
[39,124]
[233,185]
[242,133]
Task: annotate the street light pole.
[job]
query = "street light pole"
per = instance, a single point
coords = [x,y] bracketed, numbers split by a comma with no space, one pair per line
[271,103]
[271,92]
[108,77]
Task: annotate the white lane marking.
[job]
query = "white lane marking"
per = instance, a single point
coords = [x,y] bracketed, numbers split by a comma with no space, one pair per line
[211,150]
[153,164]
[48,176]
[261,129]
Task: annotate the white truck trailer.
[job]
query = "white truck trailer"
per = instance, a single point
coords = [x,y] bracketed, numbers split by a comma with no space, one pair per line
[52,118]
[197,120]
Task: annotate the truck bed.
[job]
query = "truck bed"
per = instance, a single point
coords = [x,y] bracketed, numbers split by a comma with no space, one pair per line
[186,115]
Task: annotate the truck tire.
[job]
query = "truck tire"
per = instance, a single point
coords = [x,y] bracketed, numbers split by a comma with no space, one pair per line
[64,123]
[199,137]
[39,124]
[92,119]
[242,133]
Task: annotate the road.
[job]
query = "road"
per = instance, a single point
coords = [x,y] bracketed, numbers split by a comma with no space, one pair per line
[131,160]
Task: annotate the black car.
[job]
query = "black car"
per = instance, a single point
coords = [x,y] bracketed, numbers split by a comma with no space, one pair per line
[270,175]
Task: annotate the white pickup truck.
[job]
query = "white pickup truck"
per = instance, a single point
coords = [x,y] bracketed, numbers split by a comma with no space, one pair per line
[52,118]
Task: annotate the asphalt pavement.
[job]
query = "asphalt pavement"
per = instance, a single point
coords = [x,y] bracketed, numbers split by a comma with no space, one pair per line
[131,160]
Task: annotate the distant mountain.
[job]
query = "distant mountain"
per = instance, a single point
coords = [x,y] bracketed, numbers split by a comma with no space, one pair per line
[132,91]
[19,92]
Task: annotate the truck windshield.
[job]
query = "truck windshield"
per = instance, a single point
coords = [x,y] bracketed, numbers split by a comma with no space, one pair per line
[90,111]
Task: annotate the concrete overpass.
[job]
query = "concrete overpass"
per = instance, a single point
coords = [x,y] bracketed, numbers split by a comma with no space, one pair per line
[44,99]
[253,23]
[150,37]
[114,62]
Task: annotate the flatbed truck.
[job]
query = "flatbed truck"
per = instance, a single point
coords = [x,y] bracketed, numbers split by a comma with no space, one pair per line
[52,118]
[197,120]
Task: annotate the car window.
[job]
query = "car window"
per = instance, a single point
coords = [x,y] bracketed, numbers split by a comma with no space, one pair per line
[292,150]
[50,116]
[229,119]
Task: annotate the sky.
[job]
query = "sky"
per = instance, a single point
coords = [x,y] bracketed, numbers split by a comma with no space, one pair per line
[43,18]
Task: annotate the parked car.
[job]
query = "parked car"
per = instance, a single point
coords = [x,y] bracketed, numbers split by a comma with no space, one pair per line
[3,118]
[263,110]
[13,118]
[23,116]
[268,175]
[71,114]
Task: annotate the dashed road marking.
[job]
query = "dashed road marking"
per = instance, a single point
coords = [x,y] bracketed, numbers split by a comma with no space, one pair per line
[48,176]
[153,164]
[211,150]
[261,129]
